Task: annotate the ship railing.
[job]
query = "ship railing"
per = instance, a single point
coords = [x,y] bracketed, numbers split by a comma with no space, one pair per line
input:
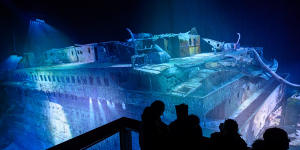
[123,126]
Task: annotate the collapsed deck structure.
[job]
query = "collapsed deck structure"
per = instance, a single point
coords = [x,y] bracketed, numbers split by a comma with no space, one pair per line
[72,90]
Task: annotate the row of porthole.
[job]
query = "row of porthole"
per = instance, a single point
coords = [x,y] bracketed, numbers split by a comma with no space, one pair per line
[67,79]
[73,79]
[108,102]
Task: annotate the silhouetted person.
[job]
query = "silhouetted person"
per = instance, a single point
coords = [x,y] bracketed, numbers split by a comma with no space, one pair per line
[154,133]
[186,132]
[216,136]
[276,139]
[178,128]
[258,144]
[182,115]
[229,138]
[195,138]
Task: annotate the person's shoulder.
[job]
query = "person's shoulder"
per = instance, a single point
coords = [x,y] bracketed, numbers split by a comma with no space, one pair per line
[243,143]
[173,123]
[242,140]
[215,135]
[205,139]
[163,125]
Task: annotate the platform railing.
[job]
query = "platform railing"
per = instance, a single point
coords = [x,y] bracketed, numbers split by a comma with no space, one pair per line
[123,126]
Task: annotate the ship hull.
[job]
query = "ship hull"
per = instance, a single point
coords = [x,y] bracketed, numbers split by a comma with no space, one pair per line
[53,113]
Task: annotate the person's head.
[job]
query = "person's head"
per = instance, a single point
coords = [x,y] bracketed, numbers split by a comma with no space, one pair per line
[181,111]
[193,120]
[230,126]
[193,125]
[158,108]
[276,138]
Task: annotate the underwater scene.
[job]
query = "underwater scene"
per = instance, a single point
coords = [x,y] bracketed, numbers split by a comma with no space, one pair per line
[60,79]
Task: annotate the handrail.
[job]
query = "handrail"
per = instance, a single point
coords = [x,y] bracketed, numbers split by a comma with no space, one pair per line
[123,125]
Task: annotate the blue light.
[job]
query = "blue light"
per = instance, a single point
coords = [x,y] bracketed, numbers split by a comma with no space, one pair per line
[10,63]
[92,117]
[112,104]
[123,106]
[59,126]
[102,113]
[37,21]
[108,103]
[42,36]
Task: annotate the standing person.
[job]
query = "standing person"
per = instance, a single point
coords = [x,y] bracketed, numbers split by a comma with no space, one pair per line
[229,137]
[195,137]
[276,139]
[216,137]
[154,132]
[179,128]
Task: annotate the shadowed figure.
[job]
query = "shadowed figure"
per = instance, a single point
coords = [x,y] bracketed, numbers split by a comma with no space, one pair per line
[195,138]
[178,128]
[185,131]
[228,138]
[153,133]
[217,135]
[274,139]
[258,145]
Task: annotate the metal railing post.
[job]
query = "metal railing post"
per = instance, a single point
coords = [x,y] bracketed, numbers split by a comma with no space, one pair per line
[125,139]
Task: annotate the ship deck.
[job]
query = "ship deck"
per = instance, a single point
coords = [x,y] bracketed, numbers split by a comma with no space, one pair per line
[184,62]
[198,77]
